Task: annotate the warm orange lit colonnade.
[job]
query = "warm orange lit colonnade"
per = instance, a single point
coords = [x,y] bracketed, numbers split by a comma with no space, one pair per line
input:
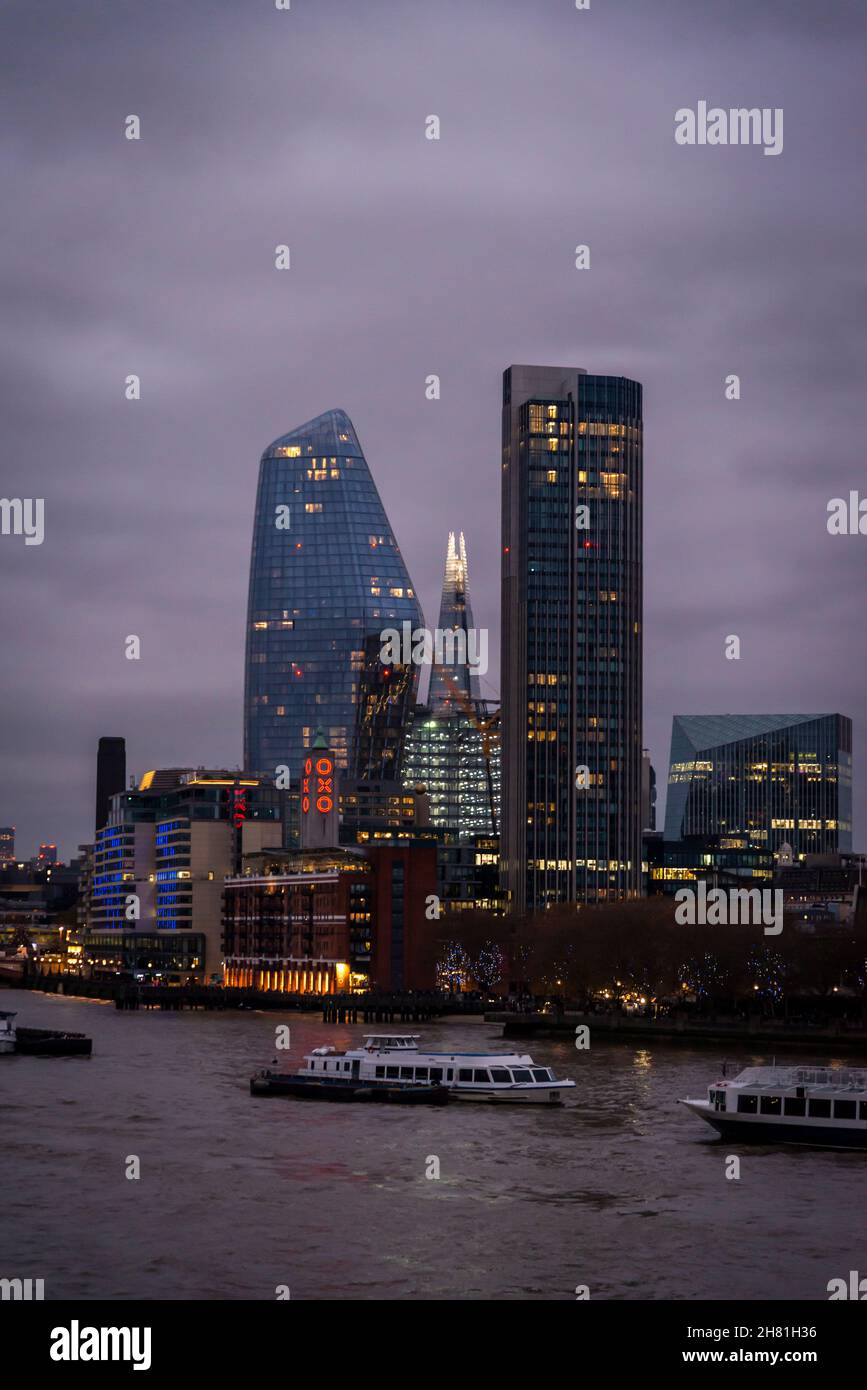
[287,977]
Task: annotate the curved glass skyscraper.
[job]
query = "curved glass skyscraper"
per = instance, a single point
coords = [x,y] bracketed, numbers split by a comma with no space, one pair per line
[326,578]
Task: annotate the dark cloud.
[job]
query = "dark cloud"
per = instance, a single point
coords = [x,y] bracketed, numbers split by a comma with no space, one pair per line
[412,257]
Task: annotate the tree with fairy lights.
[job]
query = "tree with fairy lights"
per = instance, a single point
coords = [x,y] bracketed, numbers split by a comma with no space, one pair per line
[487,967]
[453,967]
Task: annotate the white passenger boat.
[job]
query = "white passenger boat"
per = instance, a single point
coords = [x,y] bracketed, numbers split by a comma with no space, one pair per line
[393,1059]
[826,1106]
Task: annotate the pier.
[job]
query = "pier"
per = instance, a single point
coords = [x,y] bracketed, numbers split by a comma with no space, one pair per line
[839,1035]
[128,995]
[388,1008]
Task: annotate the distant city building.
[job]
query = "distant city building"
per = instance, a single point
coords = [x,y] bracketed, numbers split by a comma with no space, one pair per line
[326,579]
[571,682]
[371,811]
[824,891]
[37,910]
[468,875]
[453,747]
[455,755]
[47,856]
[721,861]
[7,843]
[110,775]
[648,793]
[156,881]
[767,780]
[385,701]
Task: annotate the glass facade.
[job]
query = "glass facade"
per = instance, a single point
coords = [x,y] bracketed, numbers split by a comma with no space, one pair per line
[453,749]
[571,644]
[326,578]
[456,757]
[772,778]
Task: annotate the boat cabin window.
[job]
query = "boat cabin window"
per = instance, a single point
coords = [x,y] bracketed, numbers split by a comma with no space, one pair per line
[521,1075]
[862,1110]
[392,1072]
[771,1105]
[380,1071]
[542,1074]
[795,1105]
[406,1073]
[421,1073]
[500,1074]
[436,1073]
[844,1109]
[820,1108]
[748,1105]
[450,1075]
[465,1074]
[481,1074]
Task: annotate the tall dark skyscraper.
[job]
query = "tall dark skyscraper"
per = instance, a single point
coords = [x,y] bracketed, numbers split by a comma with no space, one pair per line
[763,779]
[110,775]
[571,636]
[326,579]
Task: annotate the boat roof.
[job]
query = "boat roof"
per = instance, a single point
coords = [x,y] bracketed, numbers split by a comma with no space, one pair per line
[392,1037]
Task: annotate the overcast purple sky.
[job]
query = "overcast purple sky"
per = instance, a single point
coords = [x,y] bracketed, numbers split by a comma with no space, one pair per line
[412,257]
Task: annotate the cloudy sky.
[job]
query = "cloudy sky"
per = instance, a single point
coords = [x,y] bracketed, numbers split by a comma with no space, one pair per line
[412,257]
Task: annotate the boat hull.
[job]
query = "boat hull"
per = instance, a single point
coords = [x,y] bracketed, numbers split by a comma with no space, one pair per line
[746,1130]
[346,1091]
[43,1042]
[509,1096]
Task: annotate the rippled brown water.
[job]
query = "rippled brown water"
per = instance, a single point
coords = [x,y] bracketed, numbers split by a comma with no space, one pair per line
[622,1191]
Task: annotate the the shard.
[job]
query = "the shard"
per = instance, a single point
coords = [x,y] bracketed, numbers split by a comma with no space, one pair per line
[452,682]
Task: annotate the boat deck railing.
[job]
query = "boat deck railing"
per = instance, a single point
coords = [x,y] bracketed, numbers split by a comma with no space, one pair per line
[829,1078]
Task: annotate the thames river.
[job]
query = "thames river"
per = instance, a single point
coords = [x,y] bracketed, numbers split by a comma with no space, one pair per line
[621,1190]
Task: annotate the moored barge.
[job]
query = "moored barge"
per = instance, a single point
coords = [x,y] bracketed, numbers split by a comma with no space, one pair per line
[41,1042]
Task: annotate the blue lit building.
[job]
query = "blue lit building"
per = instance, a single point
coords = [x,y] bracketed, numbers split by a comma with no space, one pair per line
[326,578]
[152,902]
